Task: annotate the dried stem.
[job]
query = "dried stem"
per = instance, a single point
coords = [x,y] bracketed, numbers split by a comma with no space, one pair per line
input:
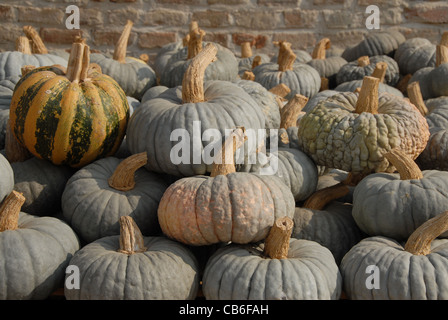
[195,42]
[123,177]
[281,90]
[419,242]
[405,165]
[248,75]
[368,96]
[363,61]
[319,199]
[246,49]
[256,62]
[287,61]
[122,43]
[276,245]
[320,49]
[23,45]
[131,238]
[291,110]
[10,210]
[38,45]
[416,98]
[441,55]
[380,71]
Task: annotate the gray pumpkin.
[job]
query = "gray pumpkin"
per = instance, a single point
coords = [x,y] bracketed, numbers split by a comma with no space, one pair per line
[245,64]
[224,105]
[375,44]
[153,268]
[42,184]
[93,205]
[153,92]
[415,270]
[35,255]
[415,54]
[6,177]
[6,91]
[351,86]
[302,56]
[164,54]
[307,272]
[356,71]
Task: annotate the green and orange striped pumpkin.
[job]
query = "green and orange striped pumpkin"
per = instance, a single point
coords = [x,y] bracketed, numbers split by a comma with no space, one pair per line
[69,117]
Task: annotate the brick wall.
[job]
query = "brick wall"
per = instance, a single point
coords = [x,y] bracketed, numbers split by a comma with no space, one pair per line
[228,22]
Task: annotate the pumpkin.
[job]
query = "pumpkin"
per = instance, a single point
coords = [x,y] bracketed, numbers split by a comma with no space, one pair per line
[365,66]
[432,80]
[6,178]
[300,78]
[133,75]
[69,117]
[280,268]
[375,44]
[328,67]
[247,60]
[11,62]
[97,195]
[6,92]
[153,92]
[414,270]
[225,66]
[351,131]
[415,54]
[290,114]
[329,222]
[42,184]
[130,266]
[225,206]
[301,55]
[35,252]
[218,105]
[394,205]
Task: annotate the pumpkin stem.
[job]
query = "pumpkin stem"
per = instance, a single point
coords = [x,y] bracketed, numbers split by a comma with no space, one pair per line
[26,68]
[363,61]
[248,75]
[419,242]
[75,62]
[319,51]
[405,165]
[38,44]
[14,150]
[319,199]
[380,71]
[246,49]
[122,43]
[287,61]
[193,80]
[324,84]
[256,62]
[291,110]
[195,42]
[368,96]
[131,238]
[441,55]
[123,178]
[276,245]
[10,210]
[224,161]
[283,46]
[281,90]
[23,45]
[444,39]
[416,98]
[402,85]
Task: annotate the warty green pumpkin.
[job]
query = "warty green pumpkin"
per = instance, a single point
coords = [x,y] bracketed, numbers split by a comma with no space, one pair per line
[69,117]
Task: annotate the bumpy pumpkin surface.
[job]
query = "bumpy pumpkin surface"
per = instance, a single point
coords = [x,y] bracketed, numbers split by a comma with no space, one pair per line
[415,54]
[72,116]
[337,137]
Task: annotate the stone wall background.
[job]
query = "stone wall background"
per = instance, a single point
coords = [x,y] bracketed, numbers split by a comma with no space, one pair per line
[228,22]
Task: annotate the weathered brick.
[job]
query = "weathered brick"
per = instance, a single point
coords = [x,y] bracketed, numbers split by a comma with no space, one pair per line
[119,17]
[257,19]
[228,2]
[328,2]
[346,38]
[152,40]
[299,40]
[90,17]
[217,37]
[259,41]
[342,19]
[60,36]
[381,3]
[110,37]
[8,34]
[41,15]
[185,2]
[301,18]
[282,3]
[165,17]
[6,13]
[212,18]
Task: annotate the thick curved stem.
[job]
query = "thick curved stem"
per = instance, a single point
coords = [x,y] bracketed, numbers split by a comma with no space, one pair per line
[195,42]
[276,245]
[193,80]
[291,110]
[131,238]
[419,242]
[319,199]
[123,177]
[122,43]
[224,161]
[416,98]
[368,96]
[380,71]
[405,165]
[320,49]
[10,210]
[38,45]
[287,61]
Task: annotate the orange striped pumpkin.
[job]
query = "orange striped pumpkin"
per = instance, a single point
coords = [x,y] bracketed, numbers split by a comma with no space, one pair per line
[69,117]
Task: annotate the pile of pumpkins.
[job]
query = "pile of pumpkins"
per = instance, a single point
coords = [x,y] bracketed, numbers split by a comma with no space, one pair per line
[359,192]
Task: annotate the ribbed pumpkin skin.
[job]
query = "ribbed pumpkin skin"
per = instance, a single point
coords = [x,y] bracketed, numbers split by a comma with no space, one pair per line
[352,85]
[239,207]
[384,205]
[328,68]
[415,54]
[6,177]
[242,273]
[68,123]
[34,257]
[11,62]
[402,275]
[302,79]
[6,91]
[333,227]
[245,64]
[165,271]
[302,56]
[93,208]
[226,106]
[336,137]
